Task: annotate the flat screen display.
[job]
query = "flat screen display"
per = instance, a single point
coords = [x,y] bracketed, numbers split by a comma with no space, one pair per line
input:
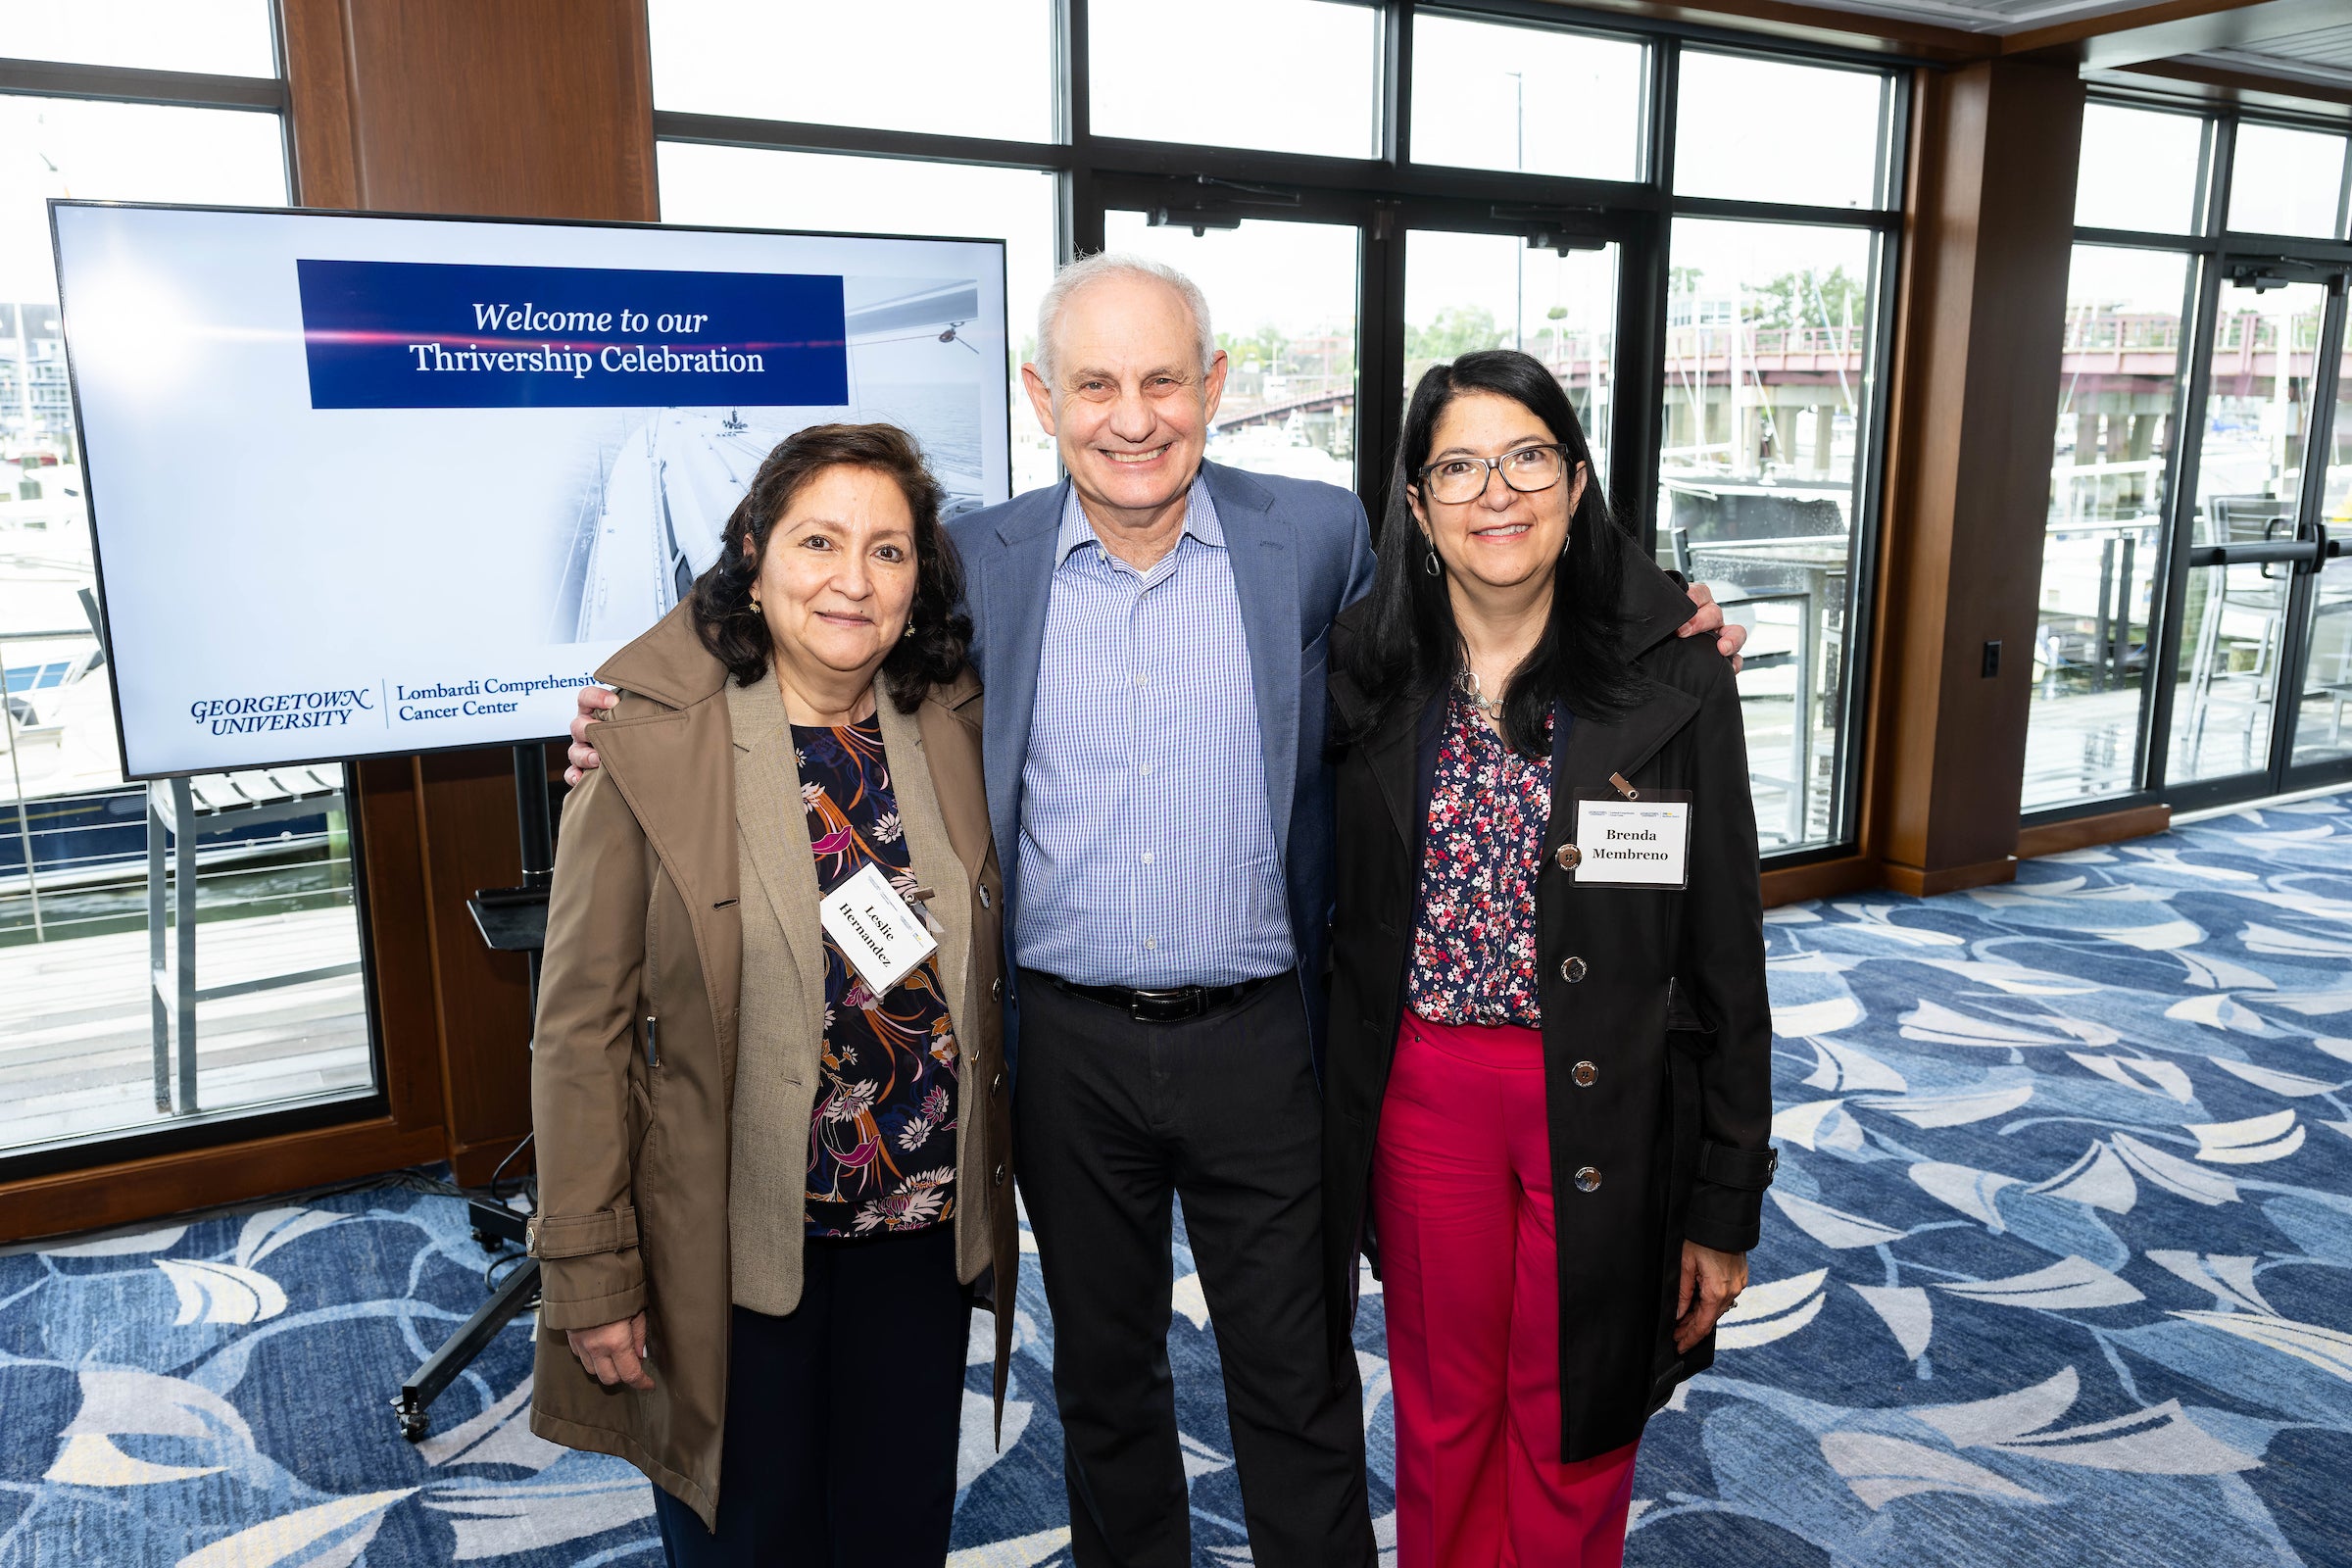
[366,484]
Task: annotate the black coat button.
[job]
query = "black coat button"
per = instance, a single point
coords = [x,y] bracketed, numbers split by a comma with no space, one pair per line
[996,989]
[1571,969]
[996,1085]
[999,1176]
[1587,1179]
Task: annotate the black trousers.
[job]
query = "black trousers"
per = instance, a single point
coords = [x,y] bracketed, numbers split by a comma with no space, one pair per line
[1112,1118]
[843,1417]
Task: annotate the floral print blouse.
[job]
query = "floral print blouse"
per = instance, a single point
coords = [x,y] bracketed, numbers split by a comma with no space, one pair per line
[882,1139]
[1474,940]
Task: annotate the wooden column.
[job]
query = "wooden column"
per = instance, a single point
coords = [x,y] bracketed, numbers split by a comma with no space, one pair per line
[495,108]
[501,108]
[1991,227]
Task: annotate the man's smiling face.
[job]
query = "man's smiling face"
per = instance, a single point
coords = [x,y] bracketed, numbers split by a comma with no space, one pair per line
[1129,401]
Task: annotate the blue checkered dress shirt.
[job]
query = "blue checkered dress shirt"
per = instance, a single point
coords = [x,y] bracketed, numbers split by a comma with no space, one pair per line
[1147,848]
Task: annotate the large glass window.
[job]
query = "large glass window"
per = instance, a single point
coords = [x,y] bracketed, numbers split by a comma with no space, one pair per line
[970,68]
[215,38]
[743,187]
[1496,96]
[2181,624]
[1247,129]
[2118,384]
[1287,75]
[2140,169]
[277,988]
[1282,301]
[1723,141]
[2285,181]
[1766,419]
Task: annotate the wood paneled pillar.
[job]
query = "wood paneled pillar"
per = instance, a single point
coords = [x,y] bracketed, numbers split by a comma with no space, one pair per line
[498,108]
[1990,227]
[493,108]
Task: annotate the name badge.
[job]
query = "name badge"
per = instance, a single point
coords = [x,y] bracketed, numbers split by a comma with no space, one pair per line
[881,937]
[1643,843]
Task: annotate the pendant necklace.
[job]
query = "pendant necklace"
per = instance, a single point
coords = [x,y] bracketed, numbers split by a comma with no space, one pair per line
[1467,684]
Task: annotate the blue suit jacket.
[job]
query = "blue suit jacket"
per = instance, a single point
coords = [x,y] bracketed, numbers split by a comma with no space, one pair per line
[1301,555]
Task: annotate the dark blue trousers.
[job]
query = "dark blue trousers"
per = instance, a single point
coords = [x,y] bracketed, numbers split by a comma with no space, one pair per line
[842,1417]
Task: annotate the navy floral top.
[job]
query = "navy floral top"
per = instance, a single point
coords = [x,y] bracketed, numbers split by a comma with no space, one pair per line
[1474,942]
[882,1140]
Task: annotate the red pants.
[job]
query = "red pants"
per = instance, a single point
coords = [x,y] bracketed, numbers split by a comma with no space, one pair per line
[1461,1199]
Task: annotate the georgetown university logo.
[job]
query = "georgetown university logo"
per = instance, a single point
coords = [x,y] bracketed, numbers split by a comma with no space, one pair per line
[254,716]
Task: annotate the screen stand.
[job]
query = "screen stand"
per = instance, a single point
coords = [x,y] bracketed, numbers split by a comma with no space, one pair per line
[511,920]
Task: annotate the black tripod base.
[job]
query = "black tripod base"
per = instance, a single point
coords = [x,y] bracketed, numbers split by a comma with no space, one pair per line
[519,1292]
[511,920]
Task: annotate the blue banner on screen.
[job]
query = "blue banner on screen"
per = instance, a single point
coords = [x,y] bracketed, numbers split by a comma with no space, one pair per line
[433,335]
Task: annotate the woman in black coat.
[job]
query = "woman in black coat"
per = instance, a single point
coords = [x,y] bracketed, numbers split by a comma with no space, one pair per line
[1548,1085]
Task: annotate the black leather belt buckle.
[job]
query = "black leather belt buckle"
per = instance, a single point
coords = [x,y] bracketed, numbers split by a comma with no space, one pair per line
[1165,1007]
[1166,1004]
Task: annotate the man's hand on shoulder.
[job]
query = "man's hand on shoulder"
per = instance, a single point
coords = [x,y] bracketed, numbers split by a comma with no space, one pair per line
[1727,639]
[595,703]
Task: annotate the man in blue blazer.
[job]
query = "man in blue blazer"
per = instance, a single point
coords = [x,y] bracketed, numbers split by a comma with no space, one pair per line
[1151,634]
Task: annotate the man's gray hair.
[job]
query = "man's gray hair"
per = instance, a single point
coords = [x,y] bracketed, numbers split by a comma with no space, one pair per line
[1116,264]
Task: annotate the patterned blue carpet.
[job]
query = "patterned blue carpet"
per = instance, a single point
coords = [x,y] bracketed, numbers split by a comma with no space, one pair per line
[2058,1270]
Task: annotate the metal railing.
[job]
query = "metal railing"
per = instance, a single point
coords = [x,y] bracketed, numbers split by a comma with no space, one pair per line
[77,866]
[22,821]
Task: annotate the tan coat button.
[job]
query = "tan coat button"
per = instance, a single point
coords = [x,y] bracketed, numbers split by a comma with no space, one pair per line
[1587,1179]
[1569,856]
[999,1176]
[984,895]
[1585,1074]
[996,1085]
[1571,969]
[996,989]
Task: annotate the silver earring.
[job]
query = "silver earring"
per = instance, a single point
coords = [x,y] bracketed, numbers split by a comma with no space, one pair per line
[1430,565]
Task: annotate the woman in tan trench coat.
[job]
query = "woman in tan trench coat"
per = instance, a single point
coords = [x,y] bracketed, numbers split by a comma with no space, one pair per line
[770,1195]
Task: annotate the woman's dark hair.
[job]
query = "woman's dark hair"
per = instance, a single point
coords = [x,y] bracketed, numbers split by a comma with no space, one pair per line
[1409,646]
[737,634]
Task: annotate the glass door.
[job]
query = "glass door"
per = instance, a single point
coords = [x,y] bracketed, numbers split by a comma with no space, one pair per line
[1329,310]
[1282,297]
[2320,737]
[1469,291]
[2264,668]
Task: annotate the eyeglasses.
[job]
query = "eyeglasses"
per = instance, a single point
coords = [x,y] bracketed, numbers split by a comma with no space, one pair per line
[1527,470]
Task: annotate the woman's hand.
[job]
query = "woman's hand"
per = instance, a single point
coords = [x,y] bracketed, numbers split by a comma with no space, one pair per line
[595,703]
[616,1352]
[1711,1282]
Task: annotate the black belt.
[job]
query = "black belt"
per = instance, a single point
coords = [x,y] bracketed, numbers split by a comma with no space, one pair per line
[1168,1004]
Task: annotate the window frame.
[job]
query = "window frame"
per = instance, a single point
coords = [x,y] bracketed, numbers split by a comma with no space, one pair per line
[1389,193]
[2343,195]
[178,1134]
